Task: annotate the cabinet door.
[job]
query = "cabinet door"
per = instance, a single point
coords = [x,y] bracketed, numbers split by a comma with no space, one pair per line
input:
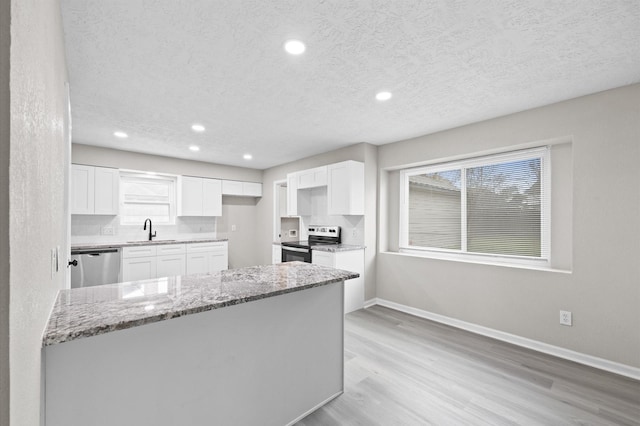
[292,195]
[138,268]
[170,265]
[190,196]
[353,288]
[82,189]
[276,254]
[252,189]
[106,190]
[232,187]
[218,261]
[345,188]
[323,258]
[312,178]
[211,197]
[197,263]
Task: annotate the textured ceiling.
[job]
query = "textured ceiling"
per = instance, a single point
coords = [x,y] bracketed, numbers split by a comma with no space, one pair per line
[151,68]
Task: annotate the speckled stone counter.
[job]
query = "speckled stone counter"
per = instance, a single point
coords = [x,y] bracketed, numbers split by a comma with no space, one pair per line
[336,248]
[90,311]
[87,246]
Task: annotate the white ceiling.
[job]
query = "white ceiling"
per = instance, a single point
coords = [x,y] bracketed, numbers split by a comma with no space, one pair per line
[152,68]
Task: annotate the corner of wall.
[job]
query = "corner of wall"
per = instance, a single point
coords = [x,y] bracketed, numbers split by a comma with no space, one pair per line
[5,135]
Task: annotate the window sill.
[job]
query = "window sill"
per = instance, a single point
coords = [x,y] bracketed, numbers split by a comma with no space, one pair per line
[489,262]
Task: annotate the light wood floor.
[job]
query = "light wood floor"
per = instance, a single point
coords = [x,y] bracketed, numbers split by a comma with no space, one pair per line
[404,370]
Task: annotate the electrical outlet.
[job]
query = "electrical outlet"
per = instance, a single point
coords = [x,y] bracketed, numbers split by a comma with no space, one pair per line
[565,318]
[293,232]
[233,228]
[354,233]
[107,230]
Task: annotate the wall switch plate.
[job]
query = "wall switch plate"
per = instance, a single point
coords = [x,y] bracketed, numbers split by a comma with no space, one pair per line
[565,318]
[107,230]
[233,228]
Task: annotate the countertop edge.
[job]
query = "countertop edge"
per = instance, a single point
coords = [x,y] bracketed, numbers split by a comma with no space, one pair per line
[53,338]
[143,243]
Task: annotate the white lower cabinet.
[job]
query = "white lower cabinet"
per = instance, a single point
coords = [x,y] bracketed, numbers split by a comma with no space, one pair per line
[349,261]
[139,268]
[207,258]
[276,254]
[170,265]
[146,262]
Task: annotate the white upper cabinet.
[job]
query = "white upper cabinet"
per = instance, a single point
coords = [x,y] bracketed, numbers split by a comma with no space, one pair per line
[292,194]
[336,189]
[211,197]
[312,178]
[345,188]
[199,196]
[241,189]
[94,190]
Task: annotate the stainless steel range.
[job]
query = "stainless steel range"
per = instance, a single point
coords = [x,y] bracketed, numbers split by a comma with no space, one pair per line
[318,235]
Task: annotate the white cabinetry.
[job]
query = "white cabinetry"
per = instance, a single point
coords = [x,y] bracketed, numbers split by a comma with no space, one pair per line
[292,194]
[138,263]
[207,258]
[276,253]
[345,188]
[349,261]
[167,260]
[312,178]
[171,260]
[241,189]
[94,190]
[336,189]
[199,196]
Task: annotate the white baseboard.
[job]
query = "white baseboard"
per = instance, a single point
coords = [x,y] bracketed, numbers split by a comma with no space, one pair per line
[592,361]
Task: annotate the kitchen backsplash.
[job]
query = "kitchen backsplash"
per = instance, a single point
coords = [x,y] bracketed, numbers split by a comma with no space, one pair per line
[351,227]
[90,229]
[288,227]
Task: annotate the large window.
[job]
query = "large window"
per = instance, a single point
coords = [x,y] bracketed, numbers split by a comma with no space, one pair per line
[144,195]
[495,206]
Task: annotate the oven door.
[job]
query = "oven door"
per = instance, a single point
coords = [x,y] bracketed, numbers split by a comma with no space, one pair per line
[292,254]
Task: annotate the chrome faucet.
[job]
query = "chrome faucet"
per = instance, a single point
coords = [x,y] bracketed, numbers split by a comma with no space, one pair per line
[151,235]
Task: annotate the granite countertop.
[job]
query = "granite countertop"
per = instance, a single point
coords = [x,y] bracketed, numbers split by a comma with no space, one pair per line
[334,248]
[88,246]
[90,311]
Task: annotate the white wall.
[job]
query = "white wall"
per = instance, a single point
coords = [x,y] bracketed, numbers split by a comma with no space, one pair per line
[39,152]
[358,152]
[5,133]
[600,244]
[239,211]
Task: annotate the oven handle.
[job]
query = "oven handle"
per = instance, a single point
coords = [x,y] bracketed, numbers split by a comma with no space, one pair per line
[298,250]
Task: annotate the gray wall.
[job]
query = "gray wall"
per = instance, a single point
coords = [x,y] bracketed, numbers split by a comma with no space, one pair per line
[38,158]
[239,211]
[359,152]
[599,247]
[5,114]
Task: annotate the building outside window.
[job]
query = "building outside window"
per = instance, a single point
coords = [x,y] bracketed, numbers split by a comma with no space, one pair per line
[493,207]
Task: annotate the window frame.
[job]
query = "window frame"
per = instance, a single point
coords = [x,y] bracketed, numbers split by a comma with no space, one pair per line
[135,174]
[543,153]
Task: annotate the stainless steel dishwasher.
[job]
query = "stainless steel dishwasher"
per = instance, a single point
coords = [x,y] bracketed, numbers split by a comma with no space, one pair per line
[95,267]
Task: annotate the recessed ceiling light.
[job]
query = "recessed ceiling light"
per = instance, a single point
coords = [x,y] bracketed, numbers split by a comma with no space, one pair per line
[247,156]
[295,47]
[121,135]
[197,128]
[383,96]
[194,148]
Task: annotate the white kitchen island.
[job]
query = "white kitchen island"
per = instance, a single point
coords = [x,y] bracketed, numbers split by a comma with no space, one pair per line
[260,345]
